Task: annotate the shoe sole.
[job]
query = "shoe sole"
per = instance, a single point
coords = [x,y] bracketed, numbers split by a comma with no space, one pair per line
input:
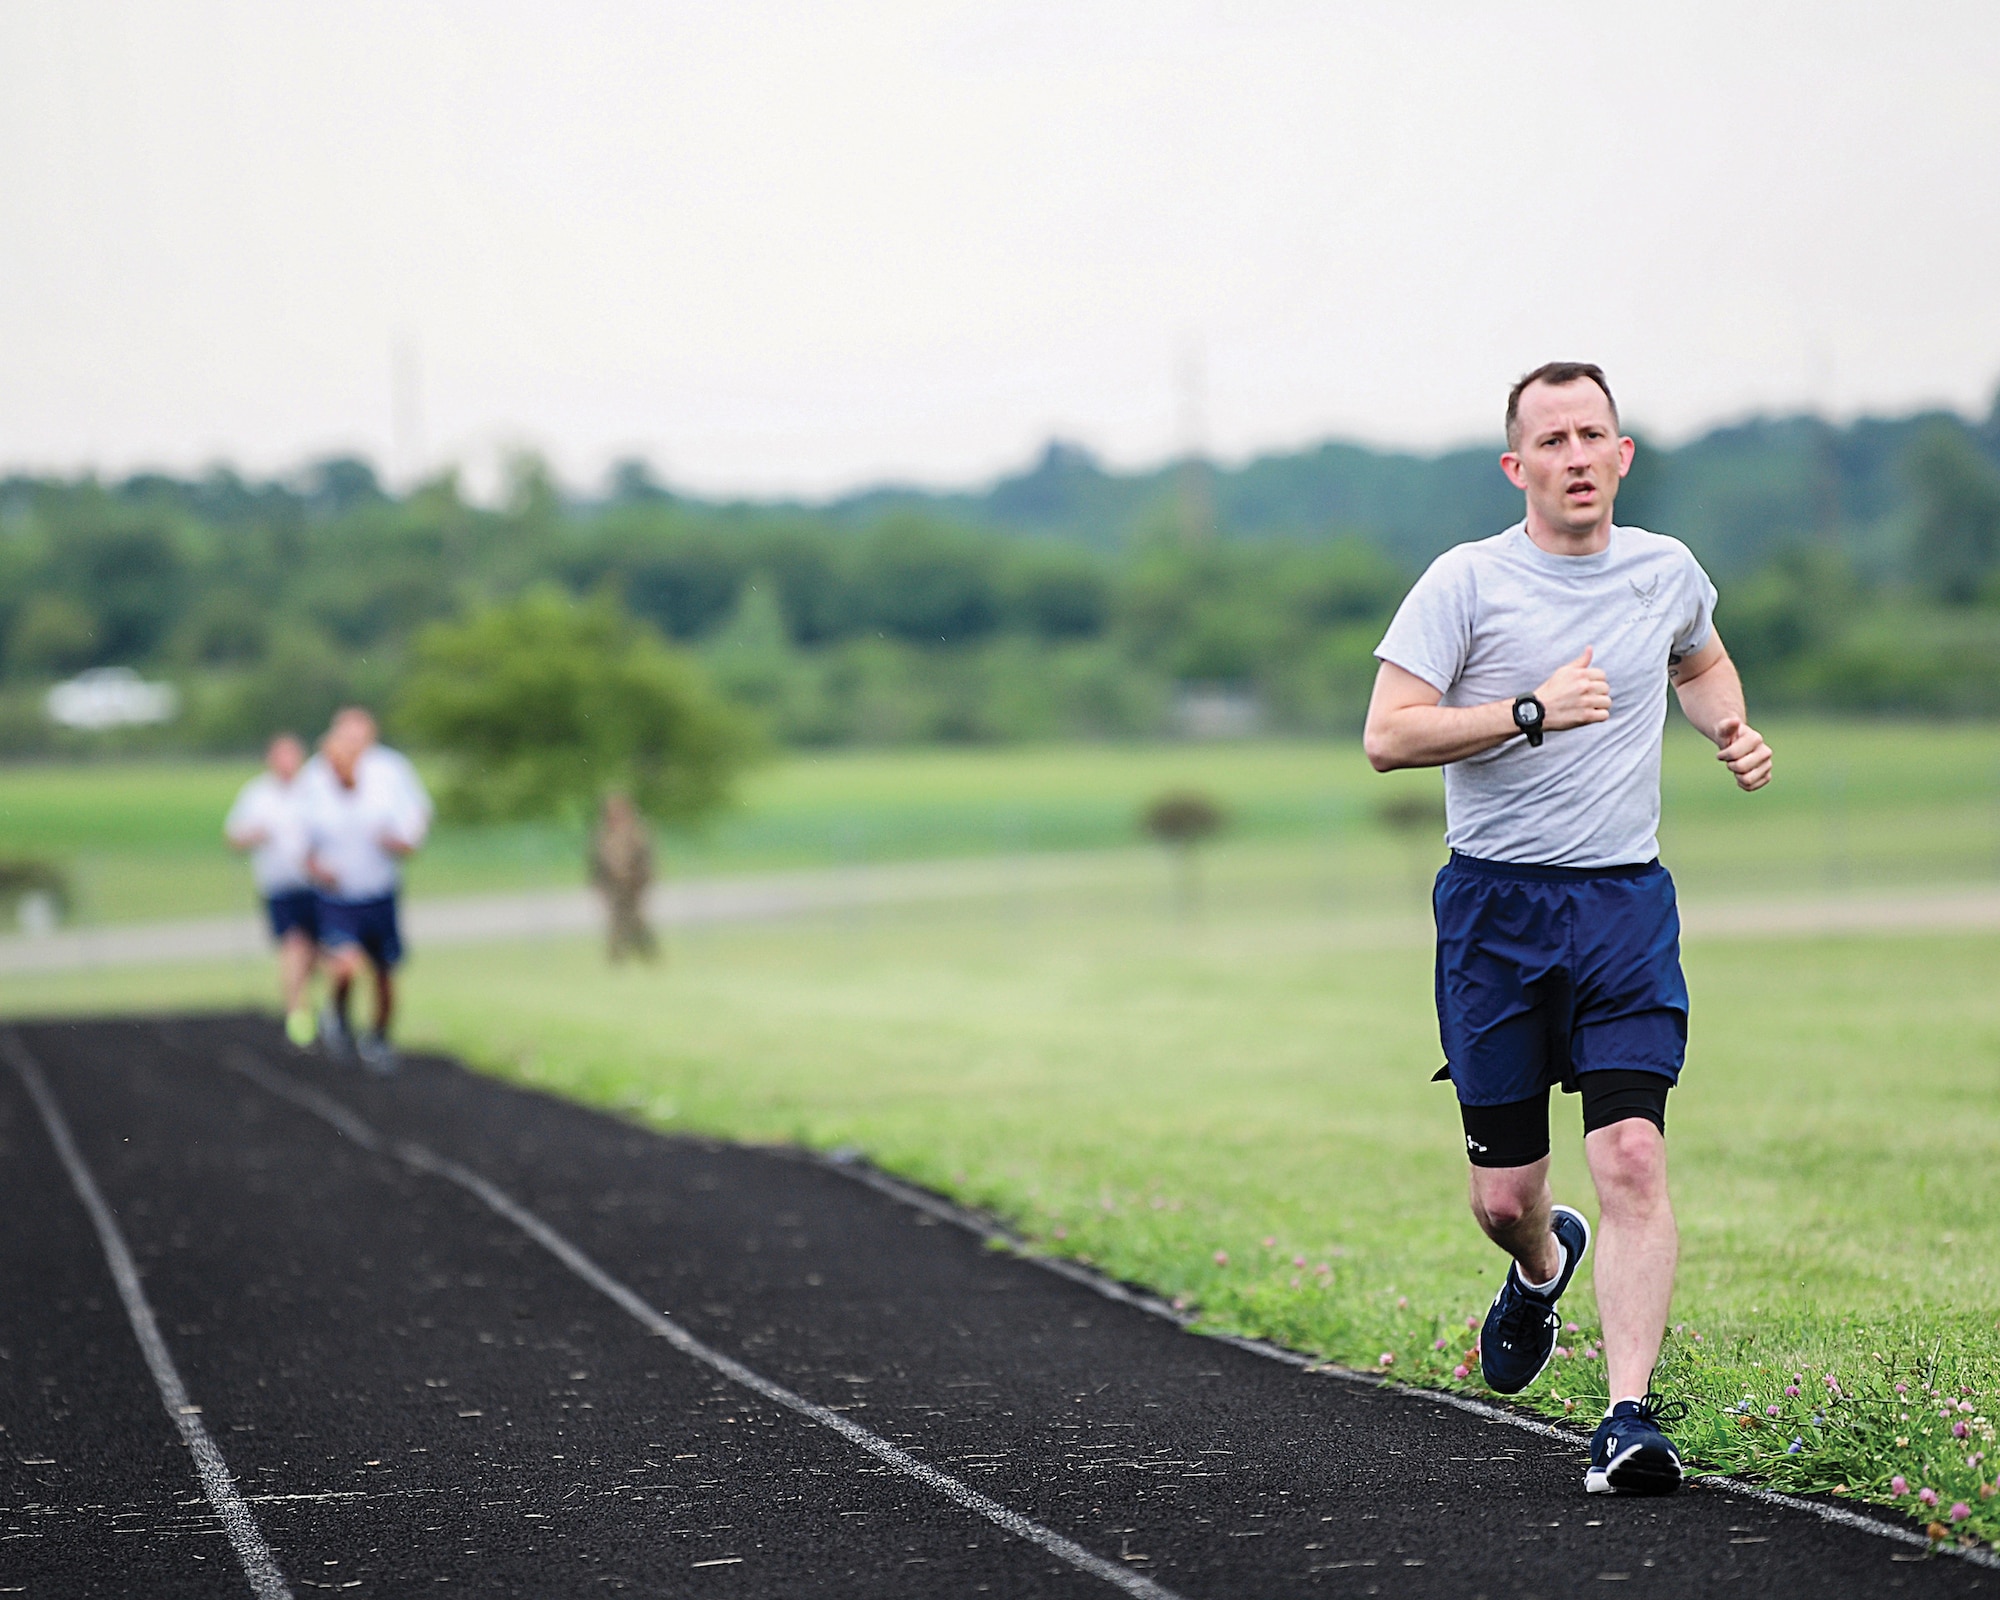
[1643,1469]
[1582,1222]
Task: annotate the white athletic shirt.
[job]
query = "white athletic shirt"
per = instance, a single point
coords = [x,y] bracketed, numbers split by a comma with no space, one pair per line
[1492,619]
[276,809]
[348,826]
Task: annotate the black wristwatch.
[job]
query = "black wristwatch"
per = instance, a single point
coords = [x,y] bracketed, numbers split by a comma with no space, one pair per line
[1529,714]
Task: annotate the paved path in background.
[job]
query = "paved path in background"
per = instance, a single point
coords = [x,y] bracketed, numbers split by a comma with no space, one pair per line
[435,1335]
[484,919]
[476,919]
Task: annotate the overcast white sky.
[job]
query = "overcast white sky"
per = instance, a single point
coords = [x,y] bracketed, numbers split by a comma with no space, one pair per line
[801,246]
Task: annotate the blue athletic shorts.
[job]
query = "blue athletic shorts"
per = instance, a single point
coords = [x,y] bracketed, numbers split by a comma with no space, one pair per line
[293,909]
[368,923]
[1546,973]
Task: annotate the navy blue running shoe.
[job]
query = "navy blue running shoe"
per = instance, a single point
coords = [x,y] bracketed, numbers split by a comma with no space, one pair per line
[1521,1326]
[1630,1455]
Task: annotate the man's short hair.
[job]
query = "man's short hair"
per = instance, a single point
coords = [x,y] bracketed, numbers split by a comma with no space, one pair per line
[1555,374]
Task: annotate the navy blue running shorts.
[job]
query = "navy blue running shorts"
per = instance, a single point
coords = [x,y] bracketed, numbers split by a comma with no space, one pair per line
[368,923]
[291,909]
[1547,973]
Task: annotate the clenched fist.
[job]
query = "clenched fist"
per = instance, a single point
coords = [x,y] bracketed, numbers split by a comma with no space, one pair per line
[1741,748]
[1574,694]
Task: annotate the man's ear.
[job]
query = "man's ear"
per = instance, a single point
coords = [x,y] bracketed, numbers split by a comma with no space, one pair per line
[1510,464]
[1626,450]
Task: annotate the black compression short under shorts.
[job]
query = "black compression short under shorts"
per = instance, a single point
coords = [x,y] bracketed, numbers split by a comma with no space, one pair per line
[1517,1134]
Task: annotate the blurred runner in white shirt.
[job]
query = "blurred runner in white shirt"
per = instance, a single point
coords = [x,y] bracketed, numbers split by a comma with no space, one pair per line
[366,810]
[268,823]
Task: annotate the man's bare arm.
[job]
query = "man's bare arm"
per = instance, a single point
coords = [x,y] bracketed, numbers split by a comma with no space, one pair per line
[1711,696]
[1407,727]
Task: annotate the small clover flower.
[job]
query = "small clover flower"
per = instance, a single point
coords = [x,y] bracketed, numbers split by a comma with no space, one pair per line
[1222,1258]
[1437,1344]
[1388,1358]
[1902,1388]
[1461,1371]
[1959,1430]
[1791,1391]
[1772,1411]
[1928,1496]
[1402,1302]
[1899,1486]
[1298,1261]
[1960,1511]
[1269,1242]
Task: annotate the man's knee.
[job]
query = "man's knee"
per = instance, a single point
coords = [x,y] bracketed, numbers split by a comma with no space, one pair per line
[1628,1160]
[1502,1196]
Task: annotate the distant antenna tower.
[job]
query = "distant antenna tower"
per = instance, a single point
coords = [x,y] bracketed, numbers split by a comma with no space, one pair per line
[1195,490]
[1826,466]
[406,419]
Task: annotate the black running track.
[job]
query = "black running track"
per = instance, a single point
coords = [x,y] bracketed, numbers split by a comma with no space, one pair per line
[413,1396]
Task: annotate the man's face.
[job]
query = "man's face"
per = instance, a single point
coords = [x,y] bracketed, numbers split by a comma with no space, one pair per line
[285,757]
[342,749]
[1570,455]
[356,726]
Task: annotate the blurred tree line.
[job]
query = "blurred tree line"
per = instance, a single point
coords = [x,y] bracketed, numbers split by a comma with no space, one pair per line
[1860,567]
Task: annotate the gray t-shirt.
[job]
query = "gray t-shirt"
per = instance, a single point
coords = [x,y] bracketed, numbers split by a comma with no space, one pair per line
[1492,619]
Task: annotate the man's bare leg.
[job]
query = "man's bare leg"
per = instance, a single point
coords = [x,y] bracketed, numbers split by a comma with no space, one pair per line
[1513,1205]
[1637,1246]
[341,967]
[295,964]
[385,1000]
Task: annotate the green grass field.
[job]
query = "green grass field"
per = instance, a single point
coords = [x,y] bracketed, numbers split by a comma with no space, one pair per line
[1854,805]
[1147,1091]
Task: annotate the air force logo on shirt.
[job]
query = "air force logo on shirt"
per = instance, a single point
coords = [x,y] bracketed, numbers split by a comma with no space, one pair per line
[1647,593]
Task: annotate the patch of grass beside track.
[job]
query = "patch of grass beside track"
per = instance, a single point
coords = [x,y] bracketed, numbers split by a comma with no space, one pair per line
[1164,1097]
[1854,805]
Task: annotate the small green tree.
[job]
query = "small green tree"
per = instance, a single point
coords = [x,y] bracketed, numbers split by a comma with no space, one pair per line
[546,704]
[1183,822]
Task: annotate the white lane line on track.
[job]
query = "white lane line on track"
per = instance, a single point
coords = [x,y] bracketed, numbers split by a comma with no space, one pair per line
[853,1167]
[420,1159]
[259,1565]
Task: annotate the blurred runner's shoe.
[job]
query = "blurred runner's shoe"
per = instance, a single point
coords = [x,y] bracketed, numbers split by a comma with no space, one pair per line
[377,1054]
[1521,1326]
[333,1034]
[300,1028]
[1629,1454]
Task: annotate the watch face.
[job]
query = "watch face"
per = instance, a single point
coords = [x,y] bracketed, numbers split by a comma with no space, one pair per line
[1527,711]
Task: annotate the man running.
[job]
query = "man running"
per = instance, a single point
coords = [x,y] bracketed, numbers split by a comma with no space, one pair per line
[1533,667]
[268,823]
[366,811]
